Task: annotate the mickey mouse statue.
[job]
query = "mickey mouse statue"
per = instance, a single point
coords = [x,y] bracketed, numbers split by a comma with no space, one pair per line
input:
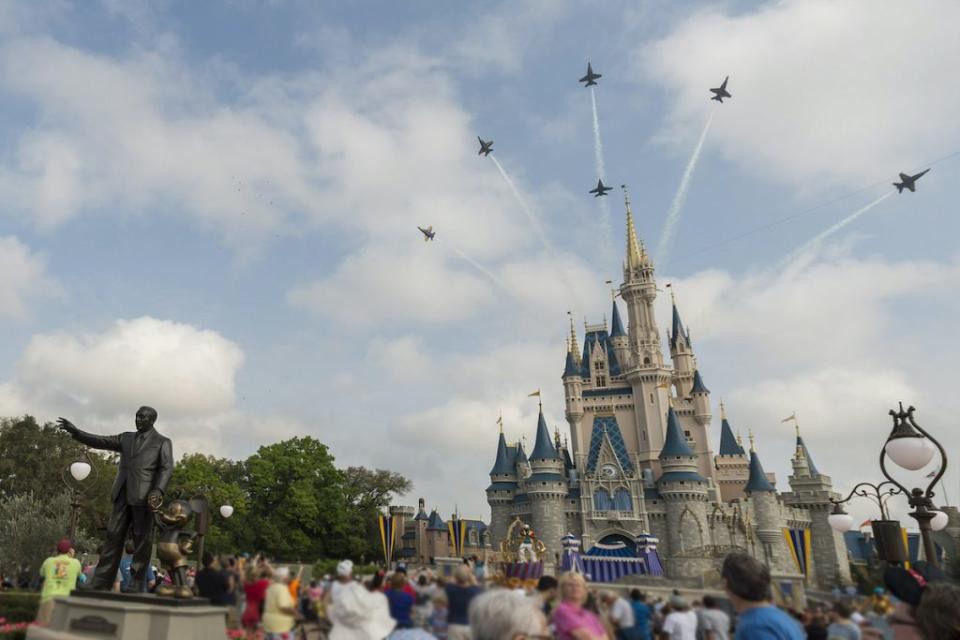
[174,544]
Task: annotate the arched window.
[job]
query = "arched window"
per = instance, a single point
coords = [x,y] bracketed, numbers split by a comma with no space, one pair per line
[602,501]
[622,500]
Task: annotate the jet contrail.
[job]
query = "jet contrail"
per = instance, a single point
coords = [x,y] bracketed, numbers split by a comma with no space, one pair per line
[601,173]
[479,267]
[663,246]
[535,223]
[796,257]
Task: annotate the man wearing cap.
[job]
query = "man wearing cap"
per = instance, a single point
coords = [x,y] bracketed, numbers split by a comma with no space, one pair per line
[59,575]
[681,622]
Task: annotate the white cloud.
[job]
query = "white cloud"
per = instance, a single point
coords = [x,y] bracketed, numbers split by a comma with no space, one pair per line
[823,93]
[23,279]
[177,368]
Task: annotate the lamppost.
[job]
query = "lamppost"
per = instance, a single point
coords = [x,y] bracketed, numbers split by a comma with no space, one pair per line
[909,446]
[73,475]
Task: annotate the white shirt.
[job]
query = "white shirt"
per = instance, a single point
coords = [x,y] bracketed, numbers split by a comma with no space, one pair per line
[621,614]
[681,625]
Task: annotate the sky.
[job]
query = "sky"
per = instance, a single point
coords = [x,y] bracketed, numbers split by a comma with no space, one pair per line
[212,209]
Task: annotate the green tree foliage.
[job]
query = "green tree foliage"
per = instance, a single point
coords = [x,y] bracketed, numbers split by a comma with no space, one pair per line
[290,501]
[34,457]
[30,527]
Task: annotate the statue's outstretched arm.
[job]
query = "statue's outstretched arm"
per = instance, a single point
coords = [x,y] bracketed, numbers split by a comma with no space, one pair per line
[109,443]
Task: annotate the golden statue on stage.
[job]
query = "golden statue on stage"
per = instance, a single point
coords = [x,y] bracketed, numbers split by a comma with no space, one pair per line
[521,544]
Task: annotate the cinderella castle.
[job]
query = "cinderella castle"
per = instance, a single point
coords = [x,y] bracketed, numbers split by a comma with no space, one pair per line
[639,462]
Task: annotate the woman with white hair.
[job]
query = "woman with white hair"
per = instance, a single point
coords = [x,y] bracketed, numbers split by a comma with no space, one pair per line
[279,612]
[503,615]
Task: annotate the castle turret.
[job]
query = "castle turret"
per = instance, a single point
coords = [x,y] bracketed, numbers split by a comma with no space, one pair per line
[731,463]
[639,290]
[547,489]
[684,492]
[812,490]
[681,352]
[701,399]
[503,486]
[619,339]
[766,509]
[573,385]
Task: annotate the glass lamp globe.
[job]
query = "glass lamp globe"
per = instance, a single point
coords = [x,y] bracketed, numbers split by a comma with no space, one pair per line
[226,511]
[80,471]
[910,452]
[939,521]
[841,522]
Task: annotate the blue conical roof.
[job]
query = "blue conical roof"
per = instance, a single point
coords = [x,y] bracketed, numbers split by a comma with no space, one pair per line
[677,329]
[543,447]
[728,443]
[675,444]
[521,454]
[803,447]
[436,523]
[698,386]
[758,479]
[570,368]
[502,465]
[616,326]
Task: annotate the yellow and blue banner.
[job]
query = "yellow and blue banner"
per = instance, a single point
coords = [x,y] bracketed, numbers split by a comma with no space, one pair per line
[798,542]
[387,536]
[458,535]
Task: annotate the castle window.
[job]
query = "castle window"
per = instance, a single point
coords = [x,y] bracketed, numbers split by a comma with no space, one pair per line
[601,381]
[601,500]
[646,360]
[622,500]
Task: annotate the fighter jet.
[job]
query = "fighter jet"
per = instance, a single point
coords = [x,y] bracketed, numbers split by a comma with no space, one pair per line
[908,182]
[600,190]
[485,147]
[591,77]
[721,92]
[428,233]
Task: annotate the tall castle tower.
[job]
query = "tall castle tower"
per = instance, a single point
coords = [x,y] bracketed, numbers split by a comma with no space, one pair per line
[766,510]
[547,489]
[731,463]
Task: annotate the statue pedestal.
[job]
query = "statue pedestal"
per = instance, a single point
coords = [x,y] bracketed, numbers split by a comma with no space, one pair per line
[121,616]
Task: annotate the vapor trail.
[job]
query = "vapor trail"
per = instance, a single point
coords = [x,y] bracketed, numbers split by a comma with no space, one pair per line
[535,223]
[479,267]
[601,173]
[663,246]
[796,257]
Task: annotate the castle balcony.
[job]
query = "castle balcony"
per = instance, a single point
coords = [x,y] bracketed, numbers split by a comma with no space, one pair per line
[613,515]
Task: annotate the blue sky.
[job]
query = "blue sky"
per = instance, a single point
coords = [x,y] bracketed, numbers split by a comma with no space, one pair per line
[212,208]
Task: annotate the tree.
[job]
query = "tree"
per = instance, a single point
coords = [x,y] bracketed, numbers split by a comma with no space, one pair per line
[222,482]
[368,492]
[33,457]
[297,502]
[30,527]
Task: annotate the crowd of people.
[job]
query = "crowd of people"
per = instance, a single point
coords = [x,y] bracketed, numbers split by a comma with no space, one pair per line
[270,602]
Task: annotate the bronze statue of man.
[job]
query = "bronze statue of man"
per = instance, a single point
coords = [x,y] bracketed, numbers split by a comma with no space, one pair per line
[146,465]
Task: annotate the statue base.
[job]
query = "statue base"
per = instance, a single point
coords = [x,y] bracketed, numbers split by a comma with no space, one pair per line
[131,616]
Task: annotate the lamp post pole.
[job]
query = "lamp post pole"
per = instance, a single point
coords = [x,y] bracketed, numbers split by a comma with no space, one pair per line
[904,426]
[73,476]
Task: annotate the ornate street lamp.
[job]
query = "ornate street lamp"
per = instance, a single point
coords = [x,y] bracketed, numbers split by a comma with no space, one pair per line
[73,476]
[911,447]
[226,510]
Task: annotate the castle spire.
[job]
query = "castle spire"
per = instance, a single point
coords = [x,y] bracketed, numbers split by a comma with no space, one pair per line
[636,254]
[728,444]
[803,453]
[758,478]
[574,346]
[616,325]
[542,446]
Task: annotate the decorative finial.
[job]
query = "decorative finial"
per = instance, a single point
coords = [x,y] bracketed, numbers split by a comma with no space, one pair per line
[723,410]
[574,346]
[739,438]
[500,421]
[753,448]
[613,290]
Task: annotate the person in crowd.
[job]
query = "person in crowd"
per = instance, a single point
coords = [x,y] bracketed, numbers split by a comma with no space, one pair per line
[407,587]
[681,622]
[401,602]
[877,625]
[438,616]
[545,594]
[344,576]
[716,623]
[842,627]
[279,610]
[125,573]
[938,613]
[910,587]
[501,615]
[642,614]
[620,614]
[746,581]
[59,573]
[212,582]
[459,595]
[314,594]
[571,619]
[423,608]
[255,591]
[359,614]
[816,626]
